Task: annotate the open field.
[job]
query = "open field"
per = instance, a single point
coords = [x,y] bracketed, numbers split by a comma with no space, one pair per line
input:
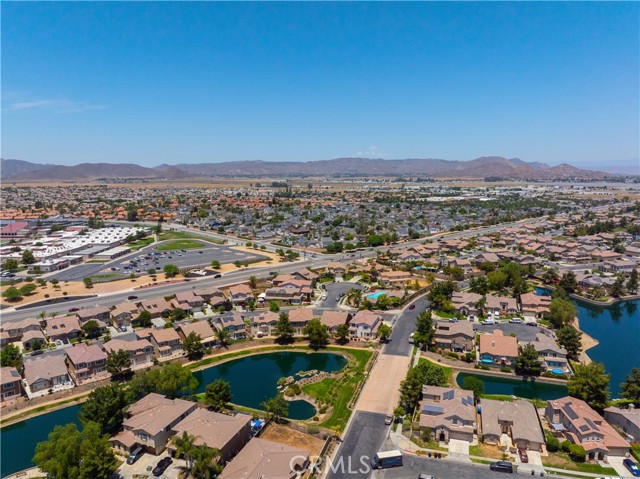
[291,437]
[180,244]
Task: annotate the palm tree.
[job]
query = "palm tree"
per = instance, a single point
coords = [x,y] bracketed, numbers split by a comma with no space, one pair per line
[42,315]
[253,281]
[223,337]
[185,445]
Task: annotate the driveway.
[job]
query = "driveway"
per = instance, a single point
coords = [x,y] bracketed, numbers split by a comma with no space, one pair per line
[458,450]
[143,467]
[616,463]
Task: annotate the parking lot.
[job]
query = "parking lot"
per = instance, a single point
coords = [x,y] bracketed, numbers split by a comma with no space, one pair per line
[151,258]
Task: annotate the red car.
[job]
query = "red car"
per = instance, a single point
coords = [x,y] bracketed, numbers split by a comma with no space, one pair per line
[413,306]
[73,310]
[523,455]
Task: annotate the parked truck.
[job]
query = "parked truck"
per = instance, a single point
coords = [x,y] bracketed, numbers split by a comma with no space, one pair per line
[385,459]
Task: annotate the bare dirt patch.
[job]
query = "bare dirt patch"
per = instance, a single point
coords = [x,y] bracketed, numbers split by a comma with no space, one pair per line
[293,438]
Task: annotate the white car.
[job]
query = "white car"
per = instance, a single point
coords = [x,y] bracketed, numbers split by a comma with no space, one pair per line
[488,321]
[515,321]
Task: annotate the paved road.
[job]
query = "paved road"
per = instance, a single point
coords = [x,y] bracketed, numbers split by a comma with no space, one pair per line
[334,290]
[442,469]
[403,327]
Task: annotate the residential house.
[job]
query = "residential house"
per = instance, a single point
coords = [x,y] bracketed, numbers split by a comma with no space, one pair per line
[187,301]
[333,319]
[263,324]
[498,350]
[150,422]
[43,373]
[10,384]
[455,336]
[201,328]
[140,351]
[157,307]
[12,331]
[533,305]
[212,295]
[394,278]
[284,295]
[166,342]
[33,339]
[299,318]
[86,362]
[500,305]
[337,268]
[518,419]
[224,432]
[574,420]
[240,294]
[449,413]
[627,420]
[262,459]
[63,328]
[466,303]
[99,313]
[124,313]
[552,355]
[233,323]
[364,325]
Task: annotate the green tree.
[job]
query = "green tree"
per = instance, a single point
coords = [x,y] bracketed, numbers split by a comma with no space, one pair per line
[171,270]
[277,407]
[177,314]
[342,333]
[144,319]
[472,383]
[273,307]
[527,362]
[185,446]
[561,312]
[172,380]
[12,294]
[283,329]
[632,284]
[91,329]
[253,282]
[631,387]
[27,289]
[27,257]
[590,382]
[223,337]
[441,293]
[10,265]
[105,407]
[571,340]
[425,373]
[10,356]
[617,288]
[316,333]
[70,454]
[218,394]
[424,334]
[119,364]
[568,282]
[479,285]
[215,264]
[550,276]
[88,282]
[384,333]
[204,466]
[193,346]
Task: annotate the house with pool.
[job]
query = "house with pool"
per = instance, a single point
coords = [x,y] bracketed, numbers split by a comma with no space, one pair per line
[497,350]
[554,357]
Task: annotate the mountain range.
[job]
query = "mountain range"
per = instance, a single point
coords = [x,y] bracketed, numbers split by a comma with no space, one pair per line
[484,167]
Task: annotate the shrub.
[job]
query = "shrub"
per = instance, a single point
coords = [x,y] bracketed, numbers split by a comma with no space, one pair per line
[312,429]
[577,453]
[505,369]
[322,409]
[296,388]
[485,367]
[316,418]
[552,442]
[565,446]
[635,450]
[469,357]
[289,392]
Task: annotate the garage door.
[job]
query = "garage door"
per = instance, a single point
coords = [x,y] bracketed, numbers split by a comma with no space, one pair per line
[463,436]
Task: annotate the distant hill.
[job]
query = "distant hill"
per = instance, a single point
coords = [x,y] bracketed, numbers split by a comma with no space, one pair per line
[485,167]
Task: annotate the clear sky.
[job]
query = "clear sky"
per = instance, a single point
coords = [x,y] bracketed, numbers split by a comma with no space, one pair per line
[166,82]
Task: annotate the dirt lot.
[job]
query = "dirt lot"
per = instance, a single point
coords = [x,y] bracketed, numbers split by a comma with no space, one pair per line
[291,437]
[490,451]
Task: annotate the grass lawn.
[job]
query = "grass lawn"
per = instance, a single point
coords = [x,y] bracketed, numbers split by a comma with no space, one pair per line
[97,261]
[181,244]
[137,245]
[444,314]
[562,461]
[170,235]
[105,275]
[319,389]
[497,397]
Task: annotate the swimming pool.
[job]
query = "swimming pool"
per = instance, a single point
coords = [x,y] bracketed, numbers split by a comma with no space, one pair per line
[375,295]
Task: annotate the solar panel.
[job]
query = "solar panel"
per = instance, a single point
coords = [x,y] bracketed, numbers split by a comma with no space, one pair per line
[591,423]
[569,412]
[464,401]
[429,408]
[584,428]
[448,394]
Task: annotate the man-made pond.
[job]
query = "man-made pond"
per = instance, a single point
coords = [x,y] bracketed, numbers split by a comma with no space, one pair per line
[517,387]
[617,328]
[253,379]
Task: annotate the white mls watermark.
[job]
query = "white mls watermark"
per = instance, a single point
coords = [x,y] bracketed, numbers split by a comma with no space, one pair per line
[339,465]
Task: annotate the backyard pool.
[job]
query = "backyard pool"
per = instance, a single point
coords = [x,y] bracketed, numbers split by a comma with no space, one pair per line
[375,295]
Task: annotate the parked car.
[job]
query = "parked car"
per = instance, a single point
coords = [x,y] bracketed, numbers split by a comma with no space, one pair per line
[162,466]
[132,297]
[501,466]
[522,454]
[426,476]
[73,310]
[632,466]
[388,419]
[515,321]
[413,306]
[135,455]
[487,321]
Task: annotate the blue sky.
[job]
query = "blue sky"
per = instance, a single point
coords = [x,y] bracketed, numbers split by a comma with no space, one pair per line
[164,82]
